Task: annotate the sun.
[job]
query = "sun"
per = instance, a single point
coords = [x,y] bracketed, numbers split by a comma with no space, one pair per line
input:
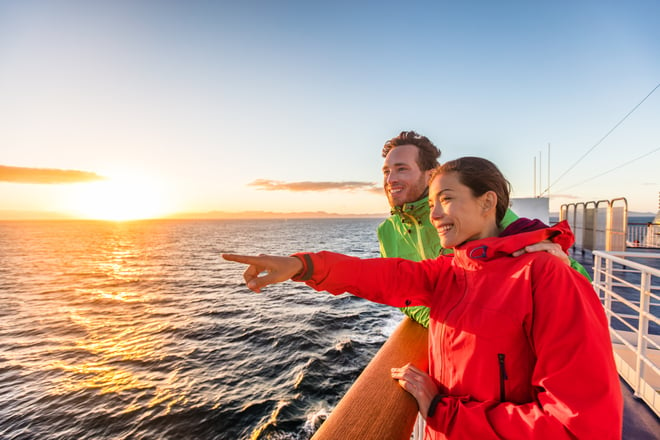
[120,198]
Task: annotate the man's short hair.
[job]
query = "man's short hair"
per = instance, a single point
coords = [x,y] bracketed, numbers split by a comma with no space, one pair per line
[428,154]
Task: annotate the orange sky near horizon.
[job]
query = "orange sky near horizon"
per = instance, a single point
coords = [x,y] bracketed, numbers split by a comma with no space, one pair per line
[87,195]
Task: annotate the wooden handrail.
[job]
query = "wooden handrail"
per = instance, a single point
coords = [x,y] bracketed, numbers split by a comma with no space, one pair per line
[376,407]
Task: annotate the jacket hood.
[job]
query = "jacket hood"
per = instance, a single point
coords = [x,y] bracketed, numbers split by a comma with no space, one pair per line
[496,247]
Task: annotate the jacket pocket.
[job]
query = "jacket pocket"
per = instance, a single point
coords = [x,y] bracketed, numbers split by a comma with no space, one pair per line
[503,376]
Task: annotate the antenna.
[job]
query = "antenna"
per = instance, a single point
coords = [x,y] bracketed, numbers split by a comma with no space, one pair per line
[548,190]
[540,173]
[534,176]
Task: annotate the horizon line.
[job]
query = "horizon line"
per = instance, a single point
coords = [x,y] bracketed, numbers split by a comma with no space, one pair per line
[206,215]
[7,215]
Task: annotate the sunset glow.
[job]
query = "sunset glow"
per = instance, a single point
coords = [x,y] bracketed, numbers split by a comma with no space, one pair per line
[119,199]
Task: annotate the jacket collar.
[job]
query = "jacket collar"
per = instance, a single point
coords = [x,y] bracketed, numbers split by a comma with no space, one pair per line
[418,209]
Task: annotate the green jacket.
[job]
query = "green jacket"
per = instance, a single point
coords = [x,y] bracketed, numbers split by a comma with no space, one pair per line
[408,233]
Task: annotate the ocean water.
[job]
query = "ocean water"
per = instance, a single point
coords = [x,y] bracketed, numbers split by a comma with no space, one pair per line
[140,330]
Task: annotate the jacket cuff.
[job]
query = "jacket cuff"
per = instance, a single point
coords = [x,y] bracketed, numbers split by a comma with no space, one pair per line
[434,404]
[308,267]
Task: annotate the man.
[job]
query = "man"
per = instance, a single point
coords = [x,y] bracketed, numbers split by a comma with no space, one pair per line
[408,232]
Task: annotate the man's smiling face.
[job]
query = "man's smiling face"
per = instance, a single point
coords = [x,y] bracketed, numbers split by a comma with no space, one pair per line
[403,180]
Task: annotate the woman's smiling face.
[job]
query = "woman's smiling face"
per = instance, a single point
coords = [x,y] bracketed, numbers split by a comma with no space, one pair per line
[457,214]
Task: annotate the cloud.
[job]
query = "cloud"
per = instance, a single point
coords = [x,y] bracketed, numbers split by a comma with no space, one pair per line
[275,185]
[45,175]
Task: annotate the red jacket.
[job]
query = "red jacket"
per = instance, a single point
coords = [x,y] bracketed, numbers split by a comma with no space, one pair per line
[520,345]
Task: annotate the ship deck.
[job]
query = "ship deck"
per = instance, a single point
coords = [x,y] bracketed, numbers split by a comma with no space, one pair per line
[639,421]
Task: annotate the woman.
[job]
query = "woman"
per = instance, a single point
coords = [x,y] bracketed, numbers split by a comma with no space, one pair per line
[518,347]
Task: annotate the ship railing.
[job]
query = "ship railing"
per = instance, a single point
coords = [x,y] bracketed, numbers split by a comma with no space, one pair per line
[376,407]
[643,235]
[630,293]
[598,224]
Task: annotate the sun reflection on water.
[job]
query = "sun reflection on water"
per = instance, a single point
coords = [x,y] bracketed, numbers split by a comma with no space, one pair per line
[118,343]
[91,375]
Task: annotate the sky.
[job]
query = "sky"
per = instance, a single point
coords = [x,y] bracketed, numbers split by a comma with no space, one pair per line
[142,108]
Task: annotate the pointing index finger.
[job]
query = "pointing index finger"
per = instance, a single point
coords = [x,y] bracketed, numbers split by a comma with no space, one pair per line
[245,259]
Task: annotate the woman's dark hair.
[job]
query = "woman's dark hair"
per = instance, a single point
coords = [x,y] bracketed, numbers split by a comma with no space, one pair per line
[481,176]
[427,153]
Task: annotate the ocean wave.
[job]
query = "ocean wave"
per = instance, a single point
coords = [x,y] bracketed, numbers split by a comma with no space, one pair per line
[142,331]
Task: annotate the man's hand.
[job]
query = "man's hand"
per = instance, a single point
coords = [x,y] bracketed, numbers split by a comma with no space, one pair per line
[545,246]
[277,269]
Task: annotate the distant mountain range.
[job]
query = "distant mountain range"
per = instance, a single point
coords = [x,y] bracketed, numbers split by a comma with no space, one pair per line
[269,214]
[45,215]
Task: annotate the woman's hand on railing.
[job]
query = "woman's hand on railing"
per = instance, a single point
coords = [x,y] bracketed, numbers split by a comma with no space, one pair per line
[277,269]
[417,383]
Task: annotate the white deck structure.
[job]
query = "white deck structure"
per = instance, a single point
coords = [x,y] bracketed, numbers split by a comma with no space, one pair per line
[630,292]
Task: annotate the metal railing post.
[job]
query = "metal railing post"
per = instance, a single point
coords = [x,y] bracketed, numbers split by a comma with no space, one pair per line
[642,327]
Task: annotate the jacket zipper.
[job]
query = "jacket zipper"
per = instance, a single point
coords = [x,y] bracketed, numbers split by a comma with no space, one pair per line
[419,246]
[503,376]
